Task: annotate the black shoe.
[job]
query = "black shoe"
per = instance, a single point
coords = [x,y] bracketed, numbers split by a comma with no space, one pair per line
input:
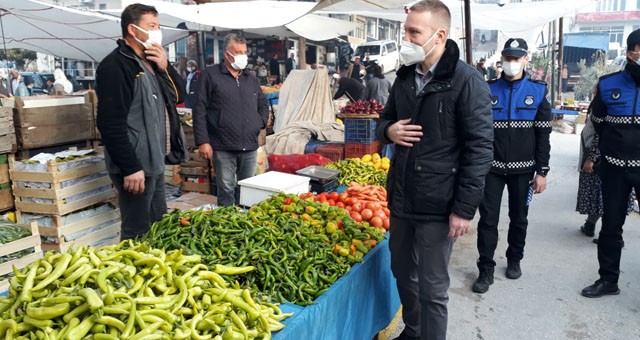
[513,270]
[484,280]
[588,229]
[601,288]
[404,336]
[595,240]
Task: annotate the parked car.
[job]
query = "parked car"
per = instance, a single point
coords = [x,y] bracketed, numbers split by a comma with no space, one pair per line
[385,53]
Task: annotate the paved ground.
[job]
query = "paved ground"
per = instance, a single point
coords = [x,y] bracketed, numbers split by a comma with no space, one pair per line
[545,303]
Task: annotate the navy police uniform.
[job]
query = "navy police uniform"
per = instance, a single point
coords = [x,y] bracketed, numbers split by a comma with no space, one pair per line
[522,124]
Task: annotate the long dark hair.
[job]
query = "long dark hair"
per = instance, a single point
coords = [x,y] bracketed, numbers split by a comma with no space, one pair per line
[132,15]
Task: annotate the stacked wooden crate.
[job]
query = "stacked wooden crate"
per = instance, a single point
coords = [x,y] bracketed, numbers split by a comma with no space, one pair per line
[71,200]
[7,146]
[14,248]
[196,174]
[49,121]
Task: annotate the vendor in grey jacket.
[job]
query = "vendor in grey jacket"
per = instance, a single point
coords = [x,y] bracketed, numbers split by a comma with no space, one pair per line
[228,116]
[137,95]
[439,117]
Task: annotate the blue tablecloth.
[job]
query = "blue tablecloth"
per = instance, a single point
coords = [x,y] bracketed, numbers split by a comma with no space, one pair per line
[357,306]
[564,112]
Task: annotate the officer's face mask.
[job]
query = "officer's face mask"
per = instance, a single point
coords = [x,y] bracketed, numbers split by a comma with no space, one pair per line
[511,68]
[413,53]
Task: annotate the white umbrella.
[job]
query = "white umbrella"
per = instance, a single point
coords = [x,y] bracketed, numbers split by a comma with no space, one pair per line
[62,31]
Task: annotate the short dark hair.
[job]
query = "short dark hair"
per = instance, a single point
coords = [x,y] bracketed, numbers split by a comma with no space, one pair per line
[237,38]
[377,71]
[132,15]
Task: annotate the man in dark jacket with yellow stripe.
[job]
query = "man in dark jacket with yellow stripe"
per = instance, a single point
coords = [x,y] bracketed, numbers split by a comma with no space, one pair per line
[137,93]
[439,117]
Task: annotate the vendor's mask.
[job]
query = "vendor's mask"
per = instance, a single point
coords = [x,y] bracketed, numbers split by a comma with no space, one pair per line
[240,61]
[154,37]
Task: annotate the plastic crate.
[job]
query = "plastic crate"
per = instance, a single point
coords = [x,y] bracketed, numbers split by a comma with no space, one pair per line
[353,150]
[358,130]
[312,145]
[335,152]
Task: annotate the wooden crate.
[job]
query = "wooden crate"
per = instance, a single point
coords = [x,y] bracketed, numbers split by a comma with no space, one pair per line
[6,199]
[55,177]
[7,130]
[52,120]
[4,173]
[188,186]
[61,232]
[172,174]
[32,241]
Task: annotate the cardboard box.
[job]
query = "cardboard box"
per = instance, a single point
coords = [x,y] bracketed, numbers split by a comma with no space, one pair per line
[191,200]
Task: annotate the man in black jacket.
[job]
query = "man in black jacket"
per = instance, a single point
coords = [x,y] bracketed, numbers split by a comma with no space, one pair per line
[137,93]
[228,116]
[439,117]
[522,123]
[352,88]
[615,116]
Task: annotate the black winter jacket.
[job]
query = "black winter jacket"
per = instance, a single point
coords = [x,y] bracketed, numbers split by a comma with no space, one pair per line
[445,171]
[125,114]
[229,112]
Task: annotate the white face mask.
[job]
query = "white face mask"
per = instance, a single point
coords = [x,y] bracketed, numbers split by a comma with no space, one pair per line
[413,53]
[190,69]
[512,68]
[239,61]
[154,37]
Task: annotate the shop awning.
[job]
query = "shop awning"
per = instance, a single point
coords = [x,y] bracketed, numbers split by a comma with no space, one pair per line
[63,31]
[592,40]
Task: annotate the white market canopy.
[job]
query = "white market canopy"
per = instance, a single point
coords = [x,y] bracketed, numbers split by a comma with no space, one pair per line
[264,17]
[63,31]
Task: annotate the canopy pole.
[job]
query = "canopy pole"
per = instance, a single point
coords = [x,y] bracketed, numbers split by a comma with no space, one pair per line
[553,63]
[560,58]
[6,55]
[467,32]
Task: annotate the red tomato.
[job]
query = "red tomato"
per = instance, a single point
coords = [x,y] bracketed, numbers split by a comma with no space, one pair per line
[356,206]
[385,223]
[375,221]
[344,197]
[334,196]
[351,201]
[339,204]
[348,208]
[357,217]
[331,202]
[372,205]
[387,212]
[380,213]
[367,214]
[322,199]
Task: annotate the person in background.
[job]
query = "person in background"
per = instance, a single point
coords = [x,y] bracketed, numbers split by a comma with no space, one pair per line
[4,84]
[210,62]
[262,73]
[483,70]
[274,69]
[522,113]
[61,79]
[565,78]
[352,88]
[137,93]
[193,78]
[24,88]
[378,87]
[290,64]
[615,118]
[439,117]
[14,80]
[356,70]
[368,68]
[230,112]
[498,73]
[49,87]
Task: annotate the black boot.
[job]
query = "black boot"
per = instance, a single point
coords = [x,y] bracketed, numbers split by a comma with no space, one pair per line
[484,280]
[588,228]
[513,270]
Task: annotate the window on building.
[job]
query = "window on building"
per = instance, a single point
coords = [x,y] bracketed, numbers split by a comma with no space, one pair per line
[612,5]
[616,33]
[102,6]
[372,28]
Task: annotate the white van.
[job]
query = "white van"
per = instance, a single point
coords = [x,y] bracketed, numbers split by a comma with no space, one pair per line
[385,53]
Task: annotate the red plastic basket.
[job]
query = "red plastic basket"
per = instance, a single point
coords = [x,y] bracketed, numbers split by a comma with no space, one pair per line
[335,152]
[352,150]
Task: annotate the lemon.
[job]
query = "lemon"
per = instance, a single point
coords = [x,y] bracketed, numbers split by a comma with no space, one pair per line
[375,157]
[385,165]
[366,158]
[377,164]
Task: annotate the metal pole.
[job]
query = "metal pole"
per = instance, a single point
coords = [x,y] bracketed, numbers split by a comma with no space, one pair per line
[6,55]
[553,64]
[468,32]
[560,57]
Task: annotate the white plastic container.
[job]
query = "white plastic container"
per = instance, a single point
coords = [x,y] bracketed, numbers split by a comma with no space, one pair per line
[258,188]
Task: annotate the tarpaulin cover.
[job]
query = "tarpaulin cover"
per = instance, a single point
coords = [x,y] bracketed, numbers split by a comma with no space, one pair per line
[593,40]
[63,31]
[357,306]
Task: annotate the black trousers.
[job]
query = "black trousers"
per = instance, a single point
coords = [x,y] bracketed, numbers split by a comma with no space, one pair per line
[138,212]
[517,187]
[617,183]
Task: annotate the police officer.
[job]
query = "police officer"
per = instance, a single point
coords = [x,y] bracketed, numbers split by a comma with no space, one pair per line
[615,116]
[522,124]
